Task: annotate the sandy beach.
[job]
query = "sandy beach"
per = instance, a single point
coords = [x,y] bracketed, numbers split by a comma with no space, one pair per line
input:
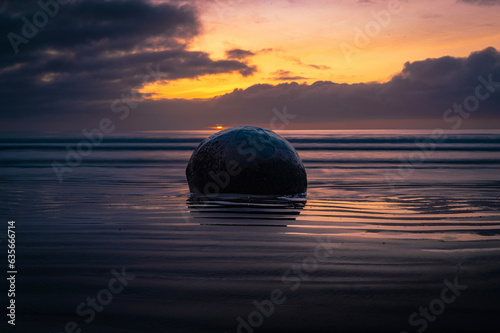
[364,255]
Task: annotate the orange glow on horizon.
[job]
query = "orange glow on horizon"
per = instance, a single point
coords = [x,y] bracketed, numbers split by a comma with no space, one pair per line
[219,127]
[299,41]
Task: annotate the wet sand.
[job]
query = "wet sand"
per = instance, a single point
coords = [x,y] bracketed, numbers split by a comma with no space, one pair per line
[387,253]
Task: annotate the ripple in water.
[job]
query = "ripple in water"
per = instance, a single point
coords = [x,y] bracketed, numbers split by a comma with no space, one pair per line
[241,209]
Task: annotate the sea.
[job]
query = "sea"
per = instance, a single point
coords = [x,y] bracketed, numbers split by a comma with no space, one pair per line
[399,232]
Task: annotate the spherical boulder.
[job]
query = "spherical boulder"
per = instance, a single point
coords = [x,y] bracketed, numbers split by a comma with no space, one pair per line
[246,160]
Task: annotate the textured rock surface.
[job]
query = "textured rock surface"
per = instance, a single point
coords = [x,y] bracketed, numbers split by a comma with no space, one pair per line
[246,159]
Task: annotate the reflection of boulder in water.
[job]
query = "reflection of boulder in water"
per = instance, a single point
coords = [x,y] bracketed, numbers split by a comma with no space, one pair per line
[237,207]
[246,160]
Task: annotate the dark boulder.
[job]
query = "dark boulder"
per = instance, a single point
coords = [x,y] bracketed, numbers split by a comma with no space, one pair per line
[246,160]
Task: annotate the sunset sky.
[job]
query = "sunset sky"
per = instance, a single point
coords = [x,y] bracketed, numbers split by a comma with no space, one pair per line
[381,64]
[301,40]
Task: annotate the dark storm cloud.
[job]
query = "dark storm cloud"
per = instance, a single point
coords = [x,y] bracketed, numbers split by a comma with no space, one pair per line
[238,54]
[482,2]
[99,25]
[87,53]
[94,52]
[416,97]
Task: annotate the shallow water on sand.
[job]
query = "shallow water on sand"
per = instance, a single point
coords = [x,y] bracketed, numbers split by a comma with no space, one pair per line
[397,212]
